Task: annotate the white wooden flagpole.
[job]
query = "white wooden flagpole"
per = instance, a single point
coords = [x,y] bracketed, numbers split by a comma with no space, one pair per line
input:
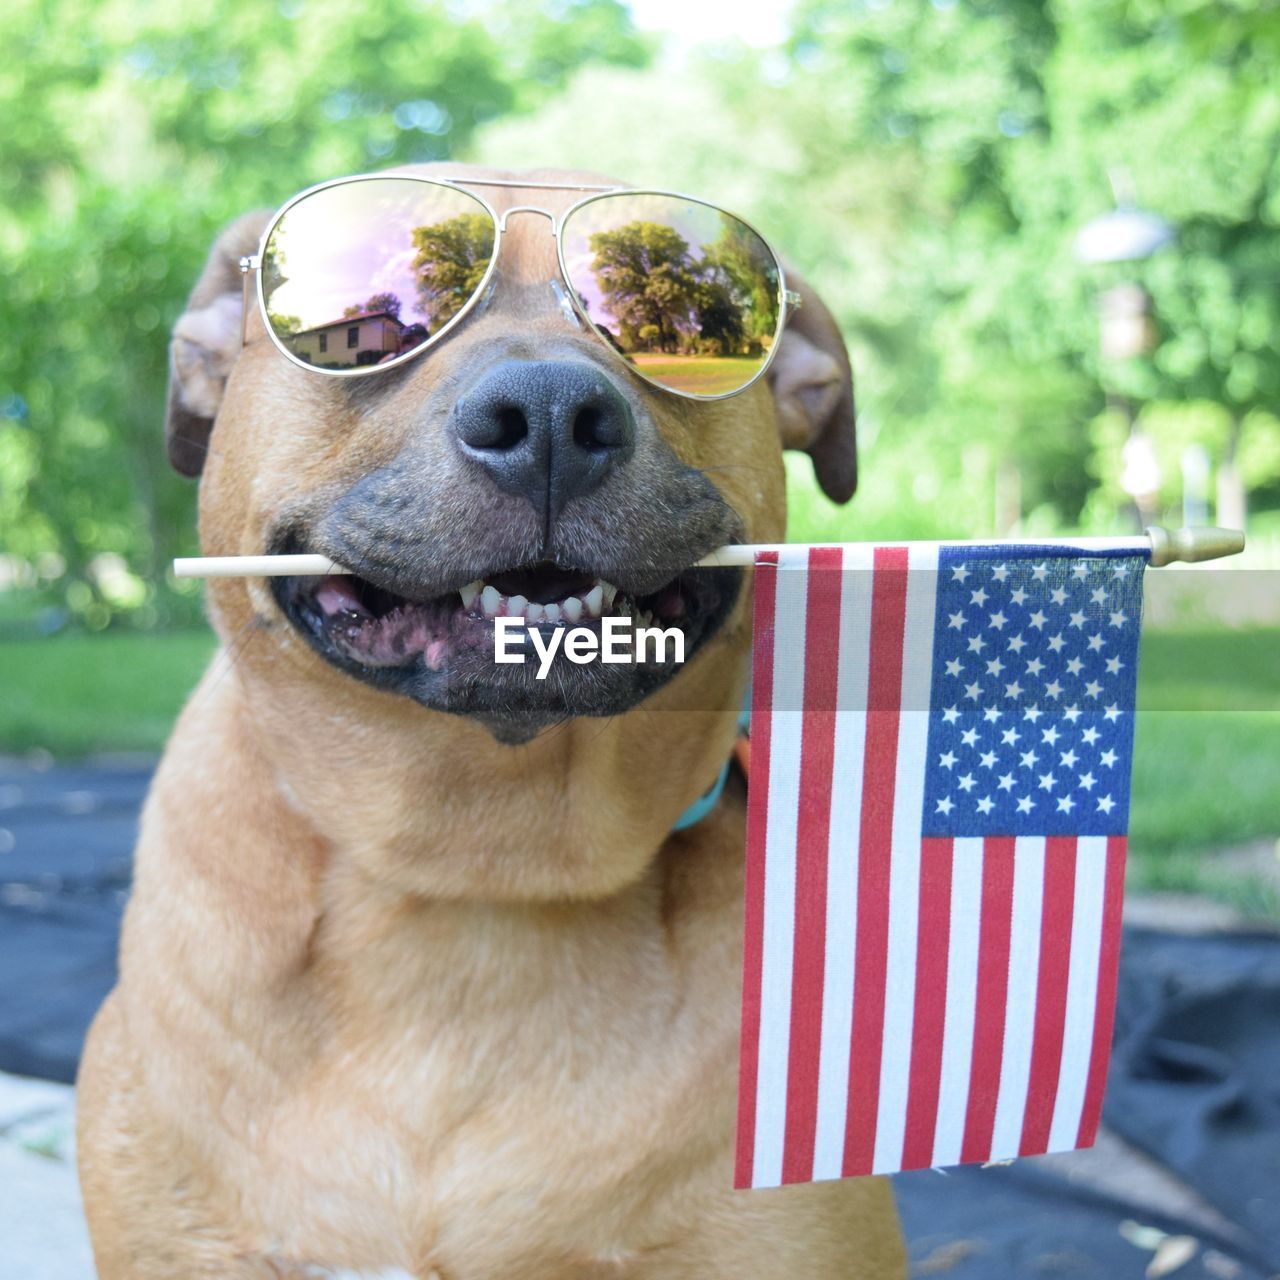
[1167,546]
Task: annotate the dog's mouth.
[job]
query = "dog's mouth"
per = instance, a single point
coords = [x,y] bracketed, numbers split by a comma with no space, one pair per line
[440,650]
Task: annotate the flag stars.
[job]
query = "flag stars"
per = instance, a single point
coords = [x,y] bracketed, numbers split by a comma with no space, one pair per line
[1074,666]
[1068,758]
[1025,804]
[1098,595]
[1090,736]
[990,714]
[1013,690]
[1036,620]
[1088,781]
[1106,804]
[1010,736]
[1016,644]
[988,759]
[1120,571]
[1119,618]
[969,737]
[959,573]
[1058,595]
[997,620]
[1034,667]
[1072,713]
[1000,572]
[950,715]
[972,690]
[1080,572]
[947,760]
[1065,804]
[1077,620]
[1095,643]
[945,805]
[1040,572]
[985,805]
[995,667]
[953,667]
[1032,713]
[1111,712]
[1017,595]
[1108,758]
[1006,782]
[1092,689]
[978,597]
[1056,643]
[1113,666]
[1050,735]
[955,620]
[1047,782]
[1029,759]
[1053,689]
[976,644]
[966,783]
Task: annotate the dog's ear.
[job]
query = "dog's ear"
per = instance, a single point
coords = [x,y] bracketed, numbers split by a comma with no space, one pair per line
[206,342]
[812,386]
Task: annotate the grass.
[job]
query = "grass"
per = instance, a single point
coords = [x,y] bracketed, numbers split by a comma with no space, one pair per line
[701,375]
[1206,761]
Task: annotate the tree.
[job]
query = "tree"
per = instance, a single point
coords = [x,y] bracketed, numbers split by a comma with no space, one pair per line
[648,281]
[451,261]
[388,302]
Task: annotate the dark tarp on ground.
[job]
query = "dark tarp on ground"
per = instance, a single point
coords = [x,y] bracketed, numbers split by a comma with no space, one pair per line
[1195,1077]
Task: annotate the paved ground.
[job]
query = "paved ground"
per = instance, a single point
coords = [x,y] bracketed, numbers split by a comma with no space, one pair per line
[65,837]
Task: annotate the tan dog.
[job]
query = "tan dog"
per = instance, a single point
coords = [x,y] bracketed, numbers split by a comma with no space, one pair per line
[404,991]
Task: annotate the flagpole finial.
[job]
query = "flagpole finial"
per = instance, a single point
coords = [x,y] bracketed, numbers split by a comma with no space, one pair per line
[1199,542]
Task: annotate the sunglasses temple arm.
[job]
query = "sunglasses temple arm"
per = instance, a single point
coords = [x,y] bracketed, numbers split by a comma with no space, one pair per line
[247,266]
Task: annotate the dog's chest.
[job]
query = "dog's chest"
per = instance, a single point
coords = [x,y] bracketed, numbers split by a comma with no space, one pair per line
[534,1114]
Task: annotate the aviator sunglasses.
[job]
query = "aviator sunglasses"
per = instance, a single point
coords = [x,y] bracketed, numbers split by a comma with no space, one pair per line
[359,275]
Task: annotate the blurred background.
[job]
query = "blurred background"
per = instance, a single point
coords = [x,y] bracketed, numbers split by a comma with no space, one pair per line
[1050,231]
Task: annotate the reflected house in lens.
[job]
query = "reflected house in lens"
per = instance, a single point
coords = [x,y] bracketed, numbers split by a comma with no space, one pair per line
[364,338]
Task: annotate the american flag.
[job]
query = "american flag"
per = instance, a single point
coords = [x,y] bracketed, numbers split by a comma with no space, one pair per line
[939,794]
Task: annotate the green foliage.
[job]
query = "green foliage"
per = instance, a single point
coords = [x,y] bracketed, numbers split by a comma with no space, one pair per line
[451,261]
[133,131]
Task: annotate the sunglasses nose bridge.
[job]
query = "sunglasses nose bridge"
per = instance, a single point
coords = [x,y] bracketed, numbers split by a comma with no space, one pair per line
[526,208]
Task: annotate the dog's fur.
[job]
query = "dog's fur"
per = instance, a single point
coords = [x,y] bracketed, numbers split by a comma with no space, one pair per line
[395,994]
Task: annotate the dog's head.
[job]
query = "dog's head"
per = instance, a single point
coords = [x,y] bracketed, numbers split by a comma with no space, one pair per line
[517,466]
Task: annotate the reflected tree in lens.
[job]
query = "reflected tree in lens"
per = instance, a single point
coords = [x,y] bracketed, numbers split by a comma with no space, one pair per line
[273,276]
[379,302]
[451,260]
[646,276]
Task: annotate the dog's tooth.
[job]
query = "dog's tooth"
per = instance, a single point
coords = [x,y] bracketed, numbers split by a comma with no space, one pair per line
[551,612]
[571,608]
[490,602]
[594,600]
[470,592]
[535,612]
[516,606]
[610,592]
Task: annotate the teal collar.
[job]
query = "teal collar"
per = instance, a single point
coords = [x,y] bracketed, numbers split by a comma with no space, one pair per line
[704,804]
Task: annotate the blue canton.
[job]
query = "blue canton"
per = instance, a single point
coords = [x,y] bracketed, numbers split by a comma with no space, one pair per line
[1035,663]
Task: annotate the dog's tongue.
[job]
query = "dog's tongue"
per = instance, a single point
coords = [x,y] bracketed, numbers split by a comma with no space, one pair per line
[338,595]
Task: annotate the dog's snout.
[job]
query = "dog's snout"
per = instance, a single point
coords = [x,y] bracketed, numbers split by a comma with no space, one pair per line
[546,430]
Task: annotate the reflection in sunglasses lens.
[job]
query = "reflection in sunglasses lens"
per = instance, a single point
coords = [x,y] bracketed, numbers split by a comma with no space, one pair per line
[362,273]
[684,292]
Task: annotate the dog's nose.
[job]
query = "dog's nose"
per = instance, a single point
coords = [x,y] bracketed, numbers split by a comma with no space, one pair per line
[546,430]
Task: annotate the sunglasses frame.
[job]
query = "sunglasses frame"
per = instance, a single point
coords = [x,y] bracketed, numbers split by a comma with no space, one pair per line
[788,299]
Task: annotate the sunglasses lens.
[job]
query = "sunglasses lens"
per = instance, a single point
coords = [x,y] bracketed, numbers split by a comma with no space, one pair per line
[362,273]
[685,292]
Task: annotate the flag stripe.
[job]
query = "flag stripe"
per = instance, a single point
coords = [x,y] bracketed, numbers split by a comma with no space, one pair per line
[962,997]
[904,890]
[933,941]
[1082,991]
[817,752]
[993,986]
[1024,973]
[884,689]
[1051,993]
[781,827]
[765,586]
[1108,966]
[842,855]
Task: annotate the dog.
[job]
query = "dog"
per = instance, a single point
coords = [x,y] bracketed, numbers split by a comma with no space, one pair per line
[416,977]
